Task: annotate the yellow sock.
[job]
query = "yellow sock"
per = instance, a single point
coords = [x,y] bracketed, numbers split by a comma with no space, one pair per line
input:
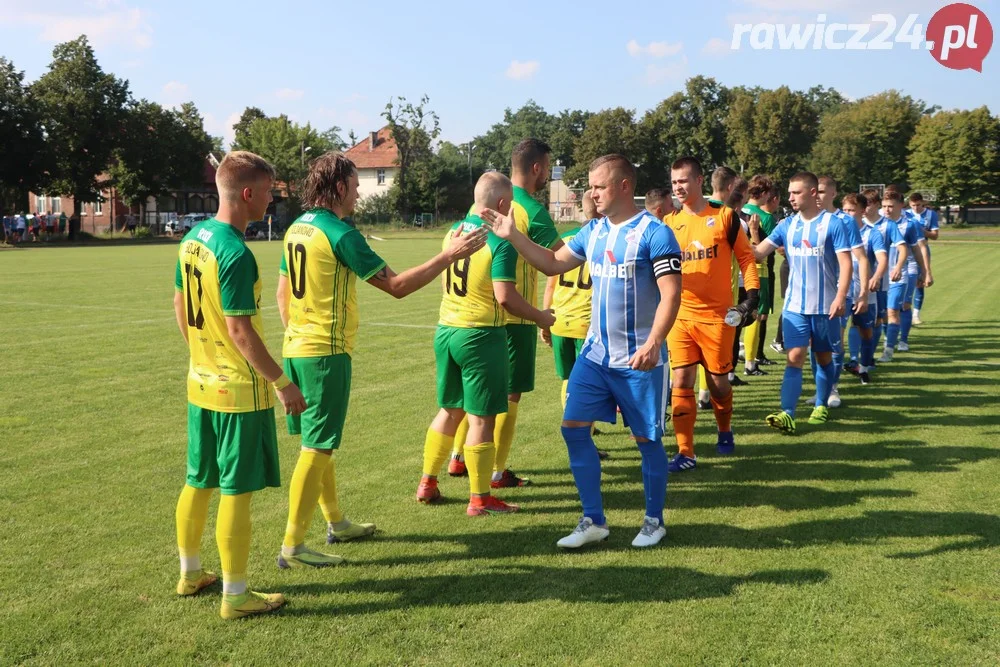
[328,501]
[751,340]
[232,532]
[503,434]
[191,516]
[460,436]
[702,382]
[479,460]
[436,448]
[303,493]
[565,387]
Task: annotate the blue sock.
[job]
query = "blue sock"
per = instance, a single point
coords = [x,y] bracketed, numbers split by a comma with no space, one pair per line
[812,365]
[854,342]
[892,336]
[654,477]
[868,352]
[906,324]
[791,389]
[918,298]
[838,365]
[586,467]
[879,332]
[823,382]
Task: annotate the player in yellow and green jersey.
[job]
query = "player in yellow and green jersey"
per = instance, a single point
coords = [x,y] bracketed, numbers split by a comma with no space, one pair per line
[761,194]
[323,259]
[480,294]
[232,441]
[530,165]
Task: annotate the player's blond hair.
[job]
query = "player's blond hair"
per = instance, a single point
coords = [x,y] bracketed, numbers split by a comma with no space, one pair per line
[239,170]
[492,187]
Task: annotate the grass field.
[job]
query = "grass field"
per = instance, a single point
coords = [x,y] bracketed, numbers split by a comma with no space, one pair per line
[872,540]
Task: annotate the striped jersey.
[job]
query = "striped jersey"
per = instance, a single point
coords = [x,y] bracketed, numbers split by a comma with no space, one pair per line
[218,277]
[911,231]
[811,248]
[624,259]
[323,257]
[571,299]
[873,243]
[892,240]
[532,220]
[917,234]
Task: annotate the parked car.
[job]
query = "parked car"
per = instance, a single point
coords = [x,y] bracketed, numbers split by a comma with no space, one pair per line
[185,223]
[258,228]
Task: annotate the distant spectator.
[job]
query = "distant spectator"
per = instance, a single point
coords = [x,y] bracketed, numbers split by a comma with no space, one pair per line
[62,224]
[50,224]
[131,223]
[22,228]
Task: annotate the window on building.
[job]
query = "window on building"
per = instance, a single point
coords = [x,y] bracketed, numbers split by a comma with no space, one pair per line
[55,204]
[195,204]
[211,204]
[167,204]
[380,176]
[40,203]
[99,206]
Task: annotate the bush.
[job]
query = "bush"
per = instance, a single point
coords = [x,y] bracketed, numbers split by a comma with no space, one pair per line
[376,209]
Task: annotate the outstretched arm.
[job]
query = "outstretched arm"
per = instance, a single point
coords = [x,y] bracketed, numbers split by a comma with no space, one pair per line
[409,281]
[549,262]
[508,297]
[763,249]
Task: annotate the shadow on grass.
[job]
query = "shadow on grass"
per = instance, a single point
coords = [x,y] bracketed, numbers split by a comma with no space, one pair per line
[971,531]
[527,583]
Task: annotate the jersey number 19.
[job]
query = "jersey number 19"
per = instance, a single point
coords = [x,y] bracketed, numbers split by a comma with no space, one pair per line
[461,270]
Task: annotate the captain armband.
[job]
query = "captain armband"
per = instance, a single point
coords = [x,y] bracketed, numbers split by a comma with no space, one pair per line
[667,265]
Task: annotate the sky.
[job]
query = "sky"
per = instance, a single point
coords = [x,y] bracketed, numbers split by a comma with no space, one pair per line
[336,63]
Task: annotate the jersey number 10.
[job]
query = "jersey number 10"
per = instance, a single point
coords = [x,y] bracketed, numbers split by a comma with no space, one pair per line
[461,270]
[297,274]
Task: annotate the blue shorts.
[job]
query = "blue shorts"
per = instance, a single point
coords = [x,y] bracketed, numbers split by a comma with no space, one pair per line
[882,301]
[865,320]
[799,330]
[595,392]
[902,292]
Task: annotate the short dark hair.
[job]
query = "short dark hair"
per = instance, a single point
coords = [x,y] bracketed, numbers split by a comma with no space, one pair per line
[806,177]
[760,187]
[325,173]
[657,195]
[871,195]
[893,195]
[527,153]
[856,198]
[723,178]
[619,164]
[916,197]
[688,162]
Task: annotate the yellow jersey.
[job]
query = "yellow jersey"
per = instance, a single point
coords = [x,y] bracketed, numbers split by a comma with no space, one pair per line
[323,257]
[534,221]
[468,300]
[218,276]
[571,299]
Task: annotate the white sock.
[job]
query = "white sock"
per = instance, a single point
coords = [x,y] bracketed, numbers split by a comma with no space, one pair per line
[732,376]
[234,587]
[497,476]
[190,563]
[916,312]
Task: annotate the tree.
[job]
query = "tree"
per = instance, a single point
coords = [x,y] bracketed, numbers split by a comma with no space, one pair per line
[825,100]
[958,154]
[333,139]
[568,127]
[26,162]
[192,147]
[867,141]
[242,127]
[608,131]
[283,143]
[770,131]
[83,111]
[688,123]
[413,129]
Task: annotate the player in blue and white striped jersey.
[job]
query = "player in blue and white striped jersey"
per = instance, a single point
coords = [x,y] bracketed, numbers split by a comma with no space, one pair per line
[635,266]
[928,219]
[861,336]
[896,246]
[818,250]
[827,194]
[901,291]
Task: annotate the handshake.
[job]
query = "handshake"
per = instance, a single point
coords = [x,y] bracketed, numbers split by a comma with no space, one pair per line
[745,312]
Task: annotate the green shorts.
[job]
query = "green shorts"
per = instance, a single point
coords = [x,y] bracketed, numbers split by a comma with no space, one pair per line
[766,305]
[236,452]
[471,369]
[522,341]
[326,385]
[566,351]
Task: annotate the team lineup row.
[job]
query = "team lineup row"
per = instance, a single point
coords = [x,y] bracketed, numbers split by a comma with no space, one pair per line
[625,287]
